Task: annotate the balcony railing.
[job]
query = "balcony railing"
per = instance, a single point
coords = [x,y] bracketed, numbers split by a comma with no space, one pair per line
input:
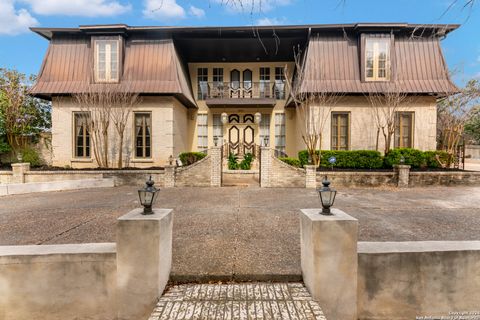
[244,90]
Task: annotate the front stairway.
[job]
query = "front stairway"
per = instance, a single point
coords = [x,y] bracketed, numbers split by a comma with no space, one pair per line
[241,178]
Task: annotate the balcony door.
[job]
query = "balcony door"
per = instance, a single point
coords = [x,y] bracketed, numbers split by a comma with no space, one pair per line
[241,133]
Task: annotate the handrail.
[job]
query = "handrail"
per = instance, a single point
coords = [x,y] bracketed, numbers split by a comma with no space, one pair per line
[241,90]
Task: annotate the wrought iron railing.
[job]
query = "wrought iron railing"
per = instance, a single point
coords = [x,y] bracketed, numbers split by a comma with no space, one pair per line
[241,90]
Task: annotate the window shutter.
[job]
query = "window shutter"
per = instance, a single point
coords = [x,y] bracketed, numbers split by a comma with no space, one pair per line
[362,57]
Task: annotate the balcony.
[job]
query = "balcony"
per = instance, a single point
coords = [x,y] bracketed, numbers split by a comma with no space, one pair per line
[219,94]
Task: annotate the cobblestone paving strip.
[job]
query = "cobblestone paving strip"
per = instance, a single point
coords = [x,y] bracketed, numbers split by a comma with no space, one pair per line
[237,301]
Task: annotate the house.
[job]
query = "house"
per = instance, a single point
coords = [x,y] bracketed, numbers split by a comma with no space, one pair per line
[202,86]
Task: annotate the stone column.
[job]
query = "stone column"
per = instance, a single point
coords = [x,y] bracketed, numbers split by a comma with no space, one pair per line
[329,261]
[216,169]
[403,173]
[169,176]
[265,166]
[19,170]
[144,260]
[310,176]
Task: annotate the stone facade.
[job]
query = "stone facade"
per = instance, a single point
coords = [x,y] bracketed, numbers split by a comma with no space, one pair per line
[359,178]
[197,174]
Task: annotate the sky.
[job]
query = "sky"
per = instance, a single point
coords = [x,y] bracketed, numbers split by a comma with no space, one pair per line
[24,50]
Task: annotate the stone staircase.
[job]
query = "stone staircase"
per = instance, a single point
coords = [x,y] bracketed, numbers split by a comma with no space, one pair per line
[241,178]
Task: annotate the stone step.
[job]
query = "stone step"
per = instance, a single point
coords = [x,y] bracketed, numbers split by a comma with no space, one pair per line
[240,178]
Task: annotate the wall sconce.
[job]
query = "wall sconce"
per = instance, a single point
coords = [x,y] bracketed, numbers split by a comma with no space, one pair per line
[224,118]
[258,117]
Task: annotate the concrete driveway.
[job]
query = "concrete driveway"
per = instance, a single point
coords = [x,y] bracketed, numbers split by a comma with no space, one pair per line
[240,233]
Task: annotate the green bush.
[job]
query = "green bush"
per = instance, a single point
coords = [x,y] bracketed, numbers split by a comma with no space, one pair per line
[4,147]
[355,159]
[412,157]
[291,161]
[432,161]
[187,158]
[31,156]
[246,163]
[232,161]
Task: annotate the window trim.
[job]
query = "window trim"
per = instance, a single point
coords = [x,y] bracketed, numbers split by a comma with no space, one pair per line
[134,131]
[75,157]
[363,57]
[119,41]
[349,133]
[412,129]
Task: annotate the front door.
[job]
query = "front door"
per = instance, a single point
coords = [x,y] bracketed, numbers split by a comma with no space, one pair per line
[241,133]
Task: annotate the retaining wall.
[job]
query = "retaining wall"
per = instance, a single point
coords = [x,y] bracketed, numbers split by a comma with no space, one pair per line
[405,280]
[58,282]
[358,178]
[284,175]
[449,178]
[197,174]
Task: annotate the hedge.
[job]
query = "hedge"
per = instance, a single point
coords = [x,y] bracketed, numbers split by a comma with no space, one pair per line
[412,157]
[355,159]
[291,161]
[432,161]
[187,158]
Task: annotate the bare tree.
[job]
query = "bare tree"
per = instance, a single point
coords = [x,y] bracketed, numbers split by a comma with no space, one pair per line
[385,106]
[102,105]
[312,102]
[454,110]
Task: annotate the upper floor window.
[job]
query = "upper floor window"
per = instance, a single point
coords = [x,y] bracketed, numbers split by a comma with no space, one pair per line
[202,81]
[279,83]
[377,59]
[107,60]
[264,82]
[217,75]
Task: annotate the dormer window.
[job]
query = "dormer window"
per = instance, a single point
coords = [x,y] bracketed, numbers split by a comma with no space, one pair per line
[107,52]
[377,59]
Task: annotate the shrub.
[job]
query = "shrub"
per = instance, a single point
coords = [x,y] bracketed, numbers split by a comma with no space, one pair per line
[232,161]
[291,161]
[188,158]
[31,156]
[431,158]
[413,157]
[246,163]
[355,159]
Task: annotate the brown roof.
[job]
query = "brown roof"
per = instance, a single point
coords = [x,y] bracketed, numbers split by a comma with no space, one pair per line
[150,67]
[333,65]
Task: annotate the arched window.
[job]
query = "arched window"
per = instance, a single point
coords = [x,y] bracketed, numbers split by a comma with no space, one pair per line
[235,79]
[247,79]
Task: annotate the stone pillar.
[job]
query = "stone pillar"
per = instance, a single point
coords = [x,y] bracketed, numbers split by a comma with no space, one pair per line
[216,169]
[329,261]
[403,173]
[265,166]
[144,260]
[310,176]
[169,176]
[19,170]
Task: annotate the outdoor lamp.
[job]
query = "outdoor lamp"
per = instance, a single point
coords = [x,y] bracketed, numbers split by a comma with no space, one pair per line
[327,196]
[258,117]
[265,141]
[148,195]
[224,118]
[215,140]
[170,160]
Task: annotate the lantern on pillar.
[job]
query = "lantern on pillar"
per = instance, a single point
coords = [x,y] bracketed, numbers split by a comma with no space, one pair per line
[258,117]
[224,118]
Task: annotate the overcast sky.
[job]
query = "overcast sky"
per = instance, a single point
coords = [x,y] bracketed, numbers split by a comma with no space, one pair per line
[24,50]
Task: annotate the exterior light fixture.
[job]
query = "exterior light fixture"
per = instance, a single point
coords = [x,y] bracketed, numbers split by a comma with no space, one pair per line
[170,160]
[265,141]
[258,117]
[215,140]
[402,160]
[147,196]
[327,196]
[224,118]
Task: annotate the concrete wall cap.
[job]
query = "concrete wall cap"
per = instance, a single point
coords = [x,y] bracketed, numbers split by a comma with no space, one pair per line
[314,215]
[417,246]
[136,214]
[83,248]
[21,164]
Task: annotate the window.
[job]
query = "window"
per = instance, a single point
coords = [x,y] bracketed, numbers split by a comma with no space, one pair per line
[279,83]
[235,79]
[265,129]
[202,82]
[202,132]
[340,131]
[106,60]
[264,82]
[404,130]
[143,135]
[247,79]
[218,128]
[377,59]
[82,135]
[218,75]
[280,132]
